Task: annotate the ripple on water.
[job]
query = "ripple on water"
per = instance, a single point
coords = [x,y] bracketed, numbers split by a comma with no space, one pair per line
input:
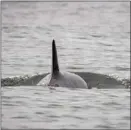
[9,104]
[21,117]
[101,126]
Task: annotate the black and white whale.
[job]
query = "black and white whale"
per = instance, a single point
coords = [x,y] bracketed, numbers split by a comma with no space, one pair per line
[63,79]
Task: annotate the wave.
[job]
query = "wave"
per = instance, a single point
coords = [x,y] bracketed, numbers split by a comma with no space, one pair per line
[93,80]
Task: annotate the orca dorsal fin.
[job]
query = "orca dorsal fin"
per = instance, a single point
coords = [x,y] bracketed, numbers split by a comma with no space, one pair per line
[55,65]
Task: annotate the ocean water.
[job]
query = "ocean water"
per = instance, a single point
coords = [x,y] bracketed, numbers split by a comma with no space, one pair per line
[92,39]
[37,107]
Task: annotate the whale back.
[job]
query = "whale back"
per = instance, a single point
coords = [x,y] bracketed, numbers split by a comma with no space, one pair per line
[63,79]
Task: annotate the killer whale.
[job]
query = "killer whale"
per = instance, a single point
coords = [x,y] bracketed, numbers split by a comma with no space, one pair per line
[58,78]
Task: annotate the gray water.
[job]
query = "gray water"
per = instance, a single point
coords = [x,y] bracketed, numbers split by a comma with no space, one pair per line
[38,107]
[90,37]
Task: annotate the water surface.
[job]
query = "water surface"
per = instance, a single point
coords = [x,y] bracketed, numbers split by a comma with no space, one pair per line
[92,38]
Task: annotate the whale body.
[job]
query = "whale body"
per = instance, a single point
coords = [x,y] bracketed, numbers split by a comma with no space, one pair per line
[61,79]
